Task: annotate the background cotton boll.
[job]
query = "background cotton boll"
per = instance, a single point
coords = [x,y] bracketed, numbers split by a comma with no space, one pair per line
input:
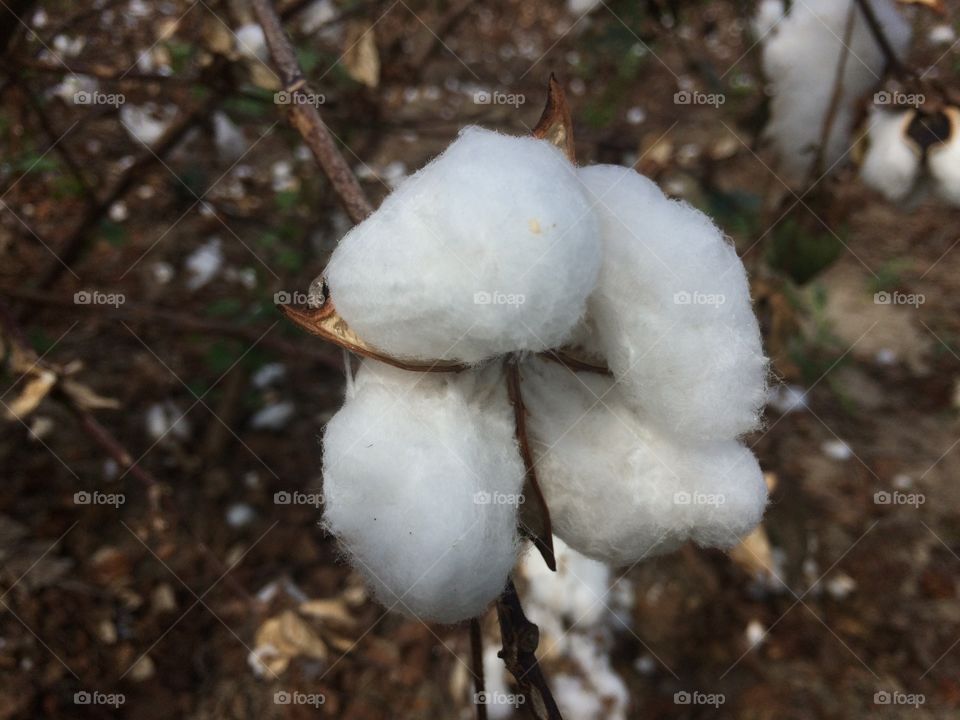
[672,312]
[490,248]
[944,161]
[421,475]
[617,490]
[892,164]
[801,59]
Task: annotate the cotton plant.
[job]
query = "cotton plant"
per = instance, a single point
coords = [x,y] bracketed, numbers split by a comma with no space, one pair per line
[840,88]
[546,348]
[821,58]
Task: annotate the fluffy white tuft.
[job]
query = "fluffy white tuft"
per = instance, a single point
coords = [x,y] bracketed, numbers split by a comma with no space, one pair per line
[892,164]
[419,473]
[770,14]
[672,313]
[643,493]
[504,262]
[944,161]
[801,60]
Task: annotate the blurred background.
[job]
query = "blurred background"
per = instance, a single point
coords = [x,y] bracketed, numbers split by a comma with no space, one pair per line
[159,548]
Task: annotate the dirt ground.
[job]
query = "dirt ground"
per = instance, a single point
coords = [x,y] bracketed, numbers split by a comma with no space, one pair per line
[150,595]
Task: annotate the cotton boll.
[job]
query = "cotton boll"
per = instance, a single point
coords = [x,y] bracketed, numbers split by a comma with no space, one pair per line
[892,163]
[229,139]
[671,311]
[490,248]
[146,123]
[801,60]
[251,42]
[620,491]
[944,161]
[421,480]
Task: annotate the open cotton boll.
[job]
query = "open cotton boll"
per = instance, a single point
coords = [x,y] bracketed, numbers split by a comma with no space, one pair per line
[421,480]
[801,60]
[671,311]
[892,163]
[489,249]
[944,161]
[620,491]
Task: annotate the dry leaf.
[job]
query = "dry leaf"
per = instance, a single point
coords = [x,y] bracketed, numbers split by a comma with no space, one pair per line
[754,554]
[283,638]
[86,398]
[217,37]
[33,393]
[555,124]
[361,58]
[324,322]
[327,610]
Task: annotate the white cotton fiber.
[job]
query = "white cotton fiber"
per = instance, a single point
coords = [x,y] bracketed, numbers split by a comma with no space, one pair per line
[672,313]
[892,163]
[944,161]
[801,58]
[421,478]
[619,491]
[769,15]
[490,248]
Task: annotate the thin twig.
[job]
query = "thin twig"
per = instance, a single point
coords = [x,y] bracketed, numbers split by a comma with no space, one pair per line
[306,119]
[139,313]
[476,654]
[876,29]
[72,248]
[535,517]
[829,120]
[520,640]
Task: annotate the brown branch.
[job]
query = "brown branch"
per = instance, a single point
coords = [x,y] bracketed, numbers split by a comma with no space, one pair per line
[534,514]
[75,244]
[306,119]
[184,323]
[11,13]
[520,639]
[54,138]
[876,29]
[833,108]
[476,655]
[99,434]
